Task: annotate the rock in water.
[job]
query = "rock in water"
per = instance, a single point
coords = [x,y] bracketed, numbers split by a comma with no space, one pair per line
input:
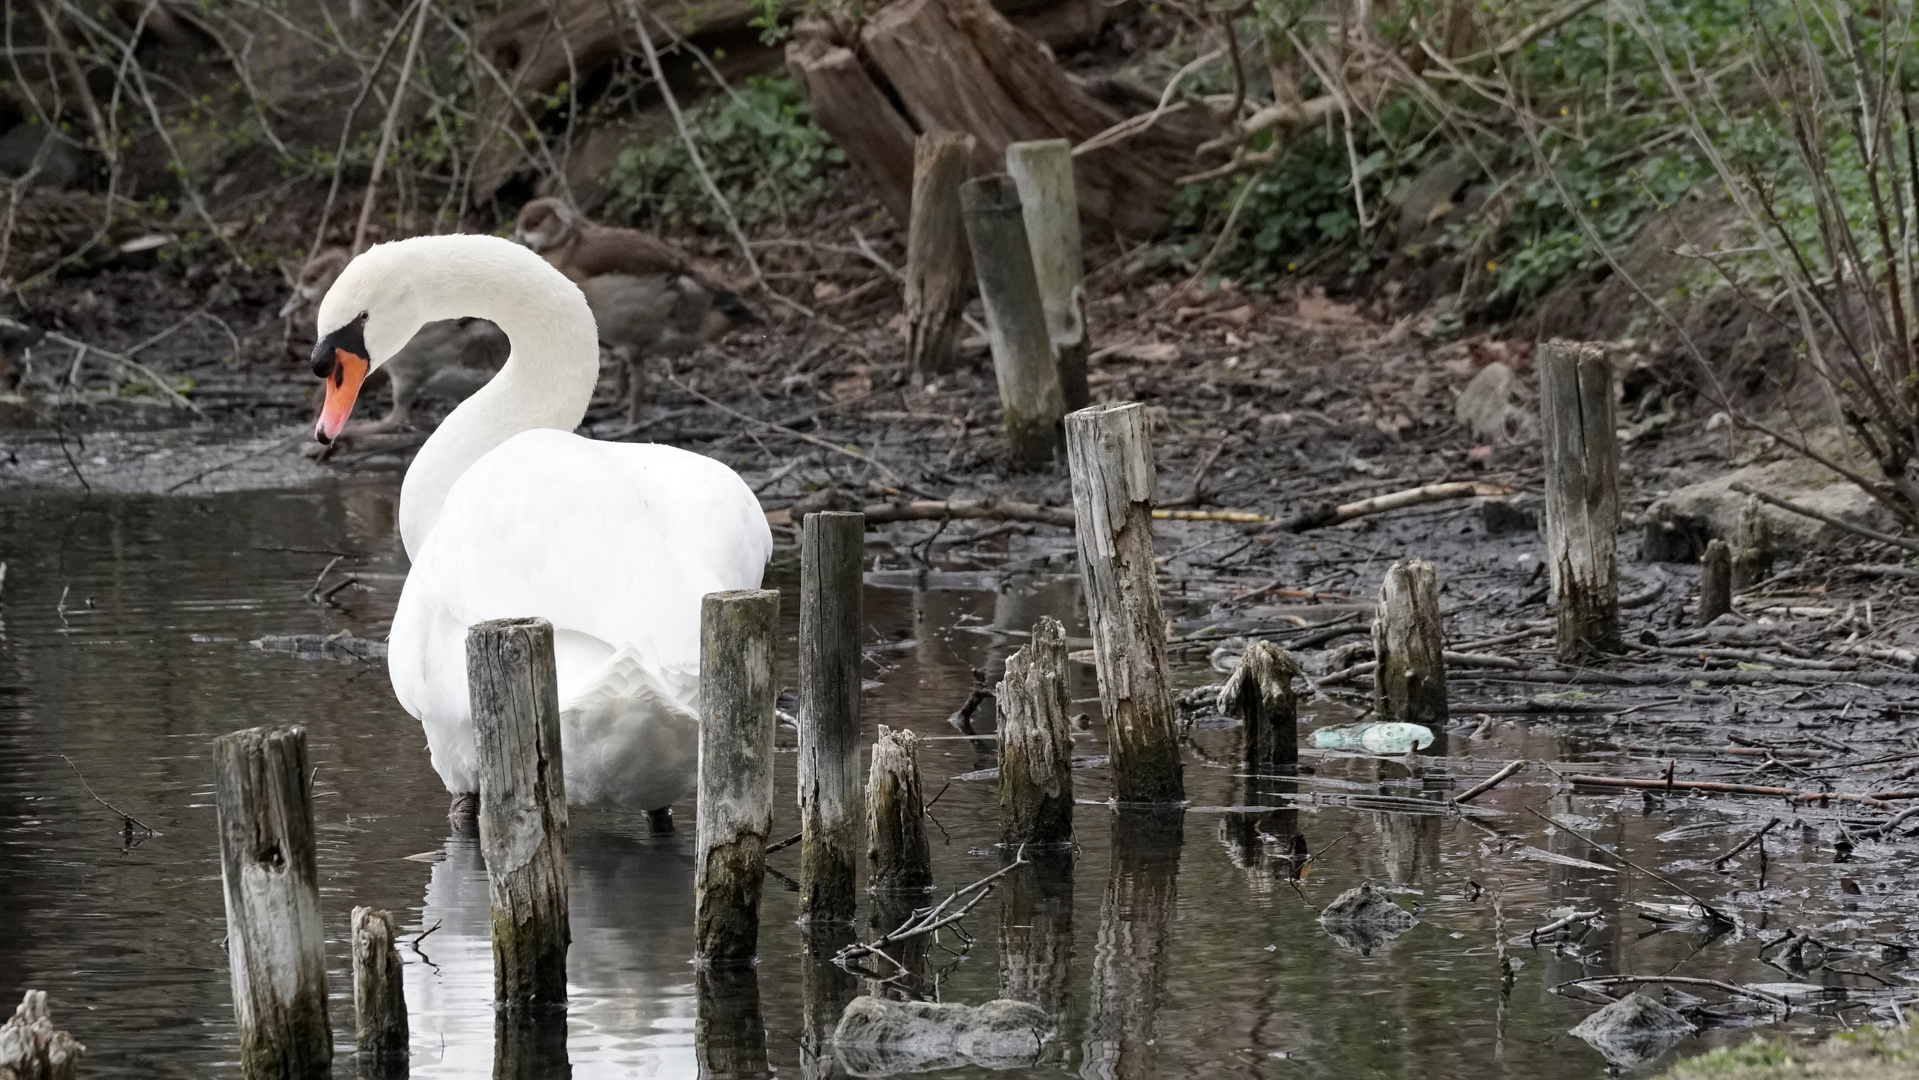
[30,1049]
[879,1037]
[1633,1030]
[1365,918]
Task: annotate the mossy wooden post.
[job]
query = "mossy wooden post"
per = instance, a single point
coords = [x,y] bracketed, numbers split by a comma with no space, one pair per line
[1409,685]
[739,634]
[1582,495]
[1111,460]
[379,1006]
[1715,582]
[275,952]
[1260,694]
[939,268]
[513,689]
[1043,171]
[1036,743]
[831,545]
[1023,359]
[898,859]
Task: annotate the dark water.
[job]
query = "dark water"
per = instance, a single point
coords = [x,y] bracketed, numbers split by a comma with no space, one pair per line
[1171,945]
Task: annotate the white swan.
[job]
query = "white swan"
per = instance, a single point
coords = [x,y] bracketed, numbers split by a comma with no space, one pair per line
[506,513]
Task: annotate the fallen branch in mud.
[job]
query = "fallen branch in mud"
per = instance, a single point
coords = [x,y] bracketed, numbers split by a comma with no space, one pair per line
[855,454]
[1819,515]
[1726,787]
[1488,784]
[1324,514]
[927,920]
[125,361]
[1676,980]
[1712,912]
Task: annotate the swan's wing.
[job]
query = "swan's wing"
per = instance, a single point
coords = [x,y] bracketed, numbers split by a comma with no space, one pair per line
[614,543]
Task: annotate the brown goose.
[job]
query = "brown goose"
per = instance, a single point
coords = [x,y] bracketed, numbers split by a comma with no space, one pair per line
[646,298]
[449,359]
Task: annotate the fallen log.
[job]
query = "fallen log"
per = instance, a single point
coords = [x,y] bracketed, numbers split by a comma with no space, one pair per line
[1320,515]
[1728,788]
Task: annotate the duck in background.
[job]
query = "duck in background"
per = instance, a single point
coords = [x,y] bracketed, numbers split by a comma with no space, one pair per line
[448,360]
[647,298]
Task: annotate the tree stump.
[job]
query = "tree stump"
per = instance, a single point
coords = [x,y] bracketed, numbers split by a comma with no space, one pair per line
[1582,495]
[1043,172]
[1752,552]
[1023,359]
[1715,582]
[1409,684]
[898,859]
[1260,694]
[848,105]
[1111,460]
[939,264]
[1036,743]
[831,546]
[379,1003]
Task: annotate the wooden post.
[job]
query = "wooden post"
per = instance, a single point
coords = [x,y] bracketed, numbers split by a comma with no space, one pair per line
[831,546]
[1112,466]
[379,1005]
[275,951]
[897,856]
[1409,685]
[1023,360]
[739,635]
[1582,495]
[1752,547]
[1715,582]
[1049,202]
[1260,694]
[939,268]
[31,1048]
[513,689]
[1036,743]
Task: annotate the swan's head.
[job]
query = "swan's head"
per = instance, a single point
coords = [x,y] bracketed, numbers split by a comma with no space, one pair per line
[545,223]
[370,311]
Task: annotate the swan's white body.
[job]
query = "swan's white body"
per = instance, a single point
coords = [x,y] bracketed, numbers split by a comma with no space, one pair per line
[505,513]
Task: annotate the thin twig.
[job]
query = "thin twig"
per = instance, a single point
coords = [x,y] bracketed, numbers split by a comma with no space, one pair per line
[392,121]
[124,816]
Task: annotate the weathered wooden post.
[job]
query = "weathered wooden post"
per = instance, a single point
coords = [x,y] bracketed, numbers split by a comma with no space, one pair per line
[514,693]
[1752,549]
[1260,694]
[1582,495]
[379,1005]
[938,264]
[275,952]
[1036,743]
[1715,582]
[1112,468]
[831,545]
[1409,684]
[1043,171]
[1023,360]
[898,859]
[739,632]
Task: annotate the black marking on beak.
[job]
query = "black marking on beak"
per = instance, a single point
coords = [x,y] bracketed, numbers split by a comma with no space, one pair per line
[351,338]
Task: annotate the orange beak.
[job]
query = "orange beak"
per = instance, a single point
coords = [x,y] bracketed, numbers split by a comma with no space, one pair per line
[342,389]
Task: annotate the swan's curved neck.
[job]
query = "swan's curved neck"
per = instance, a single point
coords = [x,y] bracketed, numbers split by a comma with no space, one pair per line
[547,382]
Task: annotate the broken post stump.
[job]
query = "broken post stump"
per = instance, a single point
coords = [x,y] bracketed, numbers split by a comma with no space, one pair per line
[1260,694]
[1043,172]
[379,1005]
[831,545]
[1752,546]
[1715,582]
[738,642]
[513,687]
[1111,460]
[31,1048]
[898,859]
[939,266]
[1036,743]
[1023,360]
[1409,684]
[275,952]
[1582,495]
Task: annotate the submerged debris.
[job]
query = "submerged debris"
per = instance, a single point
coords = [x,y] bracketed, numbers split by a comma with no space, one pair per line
[1634,1030]
[316,647]
[879,1037]
[1365,918]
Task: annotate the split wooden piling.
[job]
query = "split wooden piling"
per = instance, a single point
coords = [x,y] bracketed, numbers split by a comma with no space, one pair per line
[939,266]
[379,1003]
[1715,582]
[831,546]
[513,689]
[1023,358]
[1049,203]
[898,859]
[1111,460]
[1260,694]
[1036,743]
[1582,495]
[275,952]
[1409,683]
[739,633]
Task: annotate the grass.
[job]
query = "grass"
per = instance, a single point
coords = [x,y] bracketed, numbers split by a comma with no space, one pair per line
[1868,1054]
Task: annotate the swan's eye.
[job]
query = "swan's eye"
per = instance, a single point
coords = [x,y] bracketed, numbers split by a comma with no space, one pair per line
[361,318]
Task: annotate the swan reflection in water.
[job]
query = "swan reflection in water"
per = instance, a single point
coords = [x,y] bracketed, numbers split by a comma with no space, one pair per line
[633,1002]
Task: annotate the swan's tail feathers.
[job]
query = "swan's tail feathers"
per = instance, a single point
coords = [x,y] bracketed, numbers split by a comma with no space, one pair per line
[630,733]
